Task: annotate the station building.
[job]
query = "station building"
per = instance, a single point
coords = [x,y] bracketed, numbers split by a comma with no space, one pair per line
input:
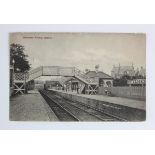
[76,85]
[102,78]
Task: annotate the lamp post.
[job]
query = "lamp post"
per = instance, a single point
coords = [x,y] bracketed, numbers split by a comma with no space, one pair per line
[13,62]
[25,86]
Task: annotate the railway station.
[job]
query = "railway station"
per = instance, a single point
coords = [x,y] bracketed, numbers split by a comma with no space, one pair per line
[90,77]
[74,96]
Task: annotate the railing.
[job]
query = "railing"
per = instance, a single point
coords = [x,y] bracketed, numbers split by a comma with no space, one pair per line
[21,76]
[35,70]
[70,71]
[35,73]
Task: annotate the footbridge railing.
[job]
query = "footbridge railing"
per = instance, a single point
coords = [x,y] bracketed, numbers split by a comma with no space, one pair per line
[54,71]
[23,78]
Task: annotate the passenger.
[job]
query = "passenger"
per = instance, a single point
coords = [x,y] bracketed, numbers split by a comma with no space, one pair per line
[106,91]
[77,89]
[65,88]
[57,87]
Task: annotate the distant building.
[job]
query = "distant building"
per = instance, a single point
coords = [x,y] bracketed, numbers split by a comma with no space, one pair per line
[53,84]
[119,71]
[38,84]
[142,72]
[102,78]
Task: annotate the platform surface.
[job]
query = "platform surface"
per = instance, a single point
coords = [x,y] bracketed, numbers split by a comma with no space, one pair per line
[115,100]
[30,107]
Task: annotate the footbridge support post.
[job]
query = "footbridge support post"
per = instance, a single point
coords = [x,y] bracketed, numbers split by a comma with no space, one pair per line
[91,89]
[19,83]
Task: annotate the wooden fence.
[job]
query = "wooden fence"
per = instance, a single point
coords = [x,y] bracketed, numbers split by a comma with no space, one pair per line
[129,92]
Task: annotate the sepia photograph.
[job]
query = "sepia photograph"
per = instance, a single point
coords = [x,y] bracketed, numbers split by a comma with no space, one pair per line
[77,76]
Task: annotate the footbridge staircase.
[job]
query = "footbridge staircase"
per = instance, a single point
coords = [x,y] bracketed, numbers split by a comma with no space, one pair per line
[21,79]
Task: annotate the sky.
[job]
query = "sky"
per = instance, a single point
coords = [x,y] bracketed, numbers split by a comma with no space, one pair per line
[83,50]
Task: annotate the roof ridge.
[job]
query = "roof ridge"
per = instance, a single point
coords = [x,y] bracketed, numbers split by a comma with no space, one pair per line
[99,72]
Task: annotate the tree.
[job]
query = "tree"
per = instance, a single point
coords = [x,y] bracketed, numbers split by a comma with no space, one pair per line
[121,82]
[21,64]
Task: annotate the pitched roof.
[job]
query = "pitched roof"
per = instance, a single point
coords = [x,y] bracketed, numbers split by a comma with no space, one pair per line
[98,74]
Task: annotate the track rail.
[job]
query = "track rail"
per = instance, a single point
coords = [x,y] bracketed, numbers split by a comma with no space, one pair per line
[80,111]
[82,114]
[101,112]
[95,112]
[62,113]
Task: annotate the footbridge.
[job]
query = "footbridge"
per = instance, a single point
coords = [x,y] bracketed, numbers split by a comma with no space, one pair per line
[21,79]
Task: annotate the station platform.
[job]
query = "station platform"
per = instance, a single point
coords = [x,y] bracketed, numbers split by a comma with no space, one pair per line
[30,107]
[132,103]
[120,101]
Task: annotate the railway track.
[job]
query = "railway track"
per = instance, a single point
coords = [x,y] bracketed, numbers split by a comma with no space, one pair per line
[78,111]
[61,113]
